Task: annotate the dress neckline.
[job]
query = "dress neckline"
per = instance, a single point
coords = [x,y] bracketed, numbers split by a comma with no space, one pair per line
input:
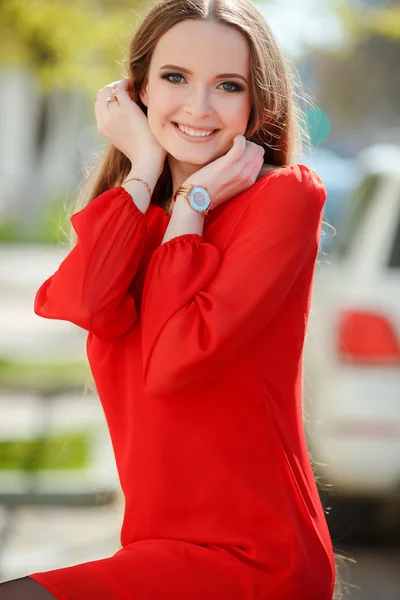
[216,211]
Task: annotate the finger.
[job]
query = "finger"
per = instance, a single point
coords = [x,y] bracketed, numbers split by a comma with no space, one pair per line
[106,92]
[251,153]
[102,107]
[250,169]
[111,99]
[255,152]
[256,172]
[258,158]
[109,88]
[101,110]
[121,91]
[238,148]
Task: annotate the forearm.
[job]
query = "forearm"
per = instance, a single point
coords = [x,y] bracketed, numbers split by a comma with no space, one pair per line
[149,173]
[183,220]
[92,286]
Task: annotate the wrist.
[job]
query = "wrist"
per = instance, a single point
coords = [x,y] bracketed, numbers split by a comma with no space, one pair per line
[181,204]
[148,161]
[149,172]
[196,196]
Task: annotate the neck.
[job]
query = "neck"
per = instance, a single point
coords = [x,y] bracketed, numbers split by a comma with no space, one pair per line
[180,172]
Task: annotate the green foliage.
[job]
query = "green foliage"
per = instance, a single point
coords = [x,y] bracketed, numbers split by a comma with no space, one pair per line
[51,227]
[374,20]
[67,44]
[43,376]
[386,23]
[66,451]
[9,230]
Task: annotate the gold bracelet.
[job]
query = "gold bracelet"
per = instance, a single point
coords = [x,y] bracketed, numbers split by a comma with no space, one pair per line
[142,180]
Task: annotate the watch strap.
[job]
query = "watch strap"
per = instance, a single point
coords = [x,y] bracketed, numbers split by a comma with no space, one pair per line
[183,190]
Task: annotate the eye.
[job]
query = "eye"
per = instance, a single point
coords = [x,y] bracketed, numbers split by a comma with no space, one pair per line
[167,75]
[236,86]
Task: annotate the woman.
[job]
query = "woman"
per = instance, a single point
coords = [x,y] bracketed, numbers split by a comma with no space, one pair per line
[192,275]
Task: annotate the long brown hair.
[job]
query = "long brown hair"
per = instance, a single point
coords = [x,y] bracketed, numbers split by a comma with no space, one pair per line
[275,121]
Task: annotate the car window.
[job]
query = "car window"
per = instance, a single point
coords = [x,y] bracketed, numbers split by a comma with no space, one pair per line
[394,257]
[357,206]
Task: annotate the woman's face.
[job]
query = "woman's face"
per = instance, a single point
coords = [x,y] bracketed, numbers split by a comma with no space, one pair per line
[201,98]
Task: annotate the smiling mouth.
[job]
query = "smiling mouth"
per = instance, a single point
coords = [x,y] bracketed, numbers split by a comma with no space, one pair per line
[194,136]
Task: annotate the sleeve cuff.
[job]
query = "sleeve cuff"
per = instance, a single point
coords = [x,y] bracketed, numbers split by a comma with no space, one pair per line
[127,197]
[190,238]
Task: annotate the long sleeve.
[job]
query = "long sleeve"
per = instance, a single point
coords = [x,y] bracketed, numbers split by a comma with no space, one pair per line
[201,308]
[91,286]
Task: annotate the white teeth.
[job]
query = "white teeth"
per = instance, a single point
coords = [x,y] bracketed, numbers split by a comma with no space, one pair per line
[193,132]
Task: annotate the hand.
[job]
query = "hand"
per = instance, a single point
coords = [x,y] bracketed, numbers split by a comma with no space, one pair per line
[126,126]
[231,174]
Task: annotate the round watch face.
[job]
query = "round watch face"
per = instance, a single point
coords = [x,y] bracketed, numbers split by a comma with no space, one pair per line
[199,198]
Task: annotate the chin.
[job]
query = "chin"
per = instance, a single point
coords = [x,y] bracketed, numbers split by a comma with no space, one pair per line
[198,156]
[184,160]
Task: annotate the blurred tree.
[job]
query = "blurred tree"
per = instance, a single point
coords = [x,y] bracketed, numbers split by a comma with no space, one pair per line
[366,17]
[54,56]
[358,84]
[67,43]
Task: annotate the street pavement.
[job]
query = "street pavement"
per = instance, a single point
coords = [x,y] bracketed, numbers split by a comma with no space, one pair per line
[23,334]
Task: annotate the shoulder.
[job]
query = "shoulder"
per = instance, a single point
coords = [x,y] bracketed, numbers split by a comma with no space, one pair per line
[291,175]
[292,196]
[295,184]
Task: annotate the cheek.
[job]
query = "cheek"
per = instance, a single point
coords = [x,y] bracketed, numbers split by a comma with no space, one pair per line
[239,112]
[162,102]
[159,116]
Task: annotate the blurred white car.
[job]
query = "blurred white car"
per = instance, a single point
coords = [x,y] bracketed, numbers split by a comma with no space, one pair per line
[352,354]
[340,176]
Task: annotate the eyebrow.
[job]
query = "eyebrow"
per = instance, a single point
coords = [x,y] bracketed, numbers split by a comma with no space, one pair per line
[221,76]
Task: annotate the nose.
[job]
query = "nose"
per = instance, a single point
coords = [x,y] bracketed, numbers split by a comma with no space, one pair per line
[198,104]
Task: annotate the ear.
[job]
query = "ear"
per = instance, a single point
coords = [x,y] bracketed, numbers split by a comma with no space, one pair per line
[143,95]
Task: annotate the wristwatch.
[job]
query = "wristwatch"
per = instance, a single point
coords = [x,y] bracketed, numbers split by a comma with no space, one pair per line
[197,197]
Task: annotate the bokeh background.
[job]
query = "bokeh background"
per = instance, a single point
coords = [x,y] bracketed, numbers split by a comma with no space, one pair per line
[59,494]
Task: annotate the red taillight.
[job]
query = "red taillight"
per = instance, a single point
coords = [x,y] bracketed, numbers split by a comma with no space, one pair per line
[367,339]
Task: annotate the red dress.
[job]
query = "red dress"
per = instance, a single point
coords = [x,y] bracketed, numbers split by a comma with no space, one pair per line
[195,346]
